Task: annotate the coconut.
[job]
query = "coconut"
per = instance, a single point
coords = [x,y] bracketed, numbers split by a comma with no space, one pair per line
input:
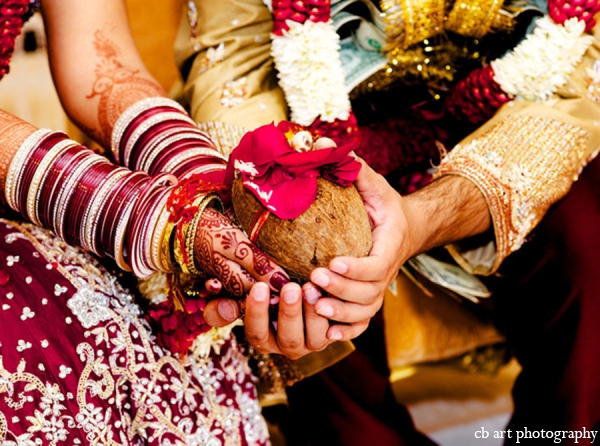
[336,224]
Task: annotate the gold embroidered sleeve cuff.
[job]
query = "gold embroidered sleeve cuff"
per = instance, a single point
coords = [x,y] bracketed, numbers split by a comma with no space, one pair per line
[522,165]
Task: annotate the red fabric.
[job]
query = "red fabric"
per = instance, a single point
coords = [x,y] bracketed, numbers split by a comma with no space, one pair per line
[551,315]
[78,365]
[355,404]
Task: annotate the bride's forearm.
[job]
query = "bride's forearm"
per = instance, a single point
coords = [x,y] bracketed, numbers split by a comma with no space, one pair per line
[97,70]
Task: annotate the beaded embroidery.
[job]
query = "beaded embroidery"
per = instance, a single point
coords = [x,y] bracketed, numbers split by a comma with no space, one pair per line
[522,165]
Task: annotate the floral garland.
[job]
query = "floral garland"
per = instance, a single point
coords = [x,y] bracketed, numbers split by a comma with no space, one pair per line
[305,48]
[532,71]
[540,64]
[182,330]
[13,14]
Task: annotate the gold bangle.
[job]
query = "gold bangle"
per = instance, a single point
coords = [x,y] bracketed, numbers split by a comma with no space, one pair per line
[177,250]
[166,258]
[190,232]
[159,260]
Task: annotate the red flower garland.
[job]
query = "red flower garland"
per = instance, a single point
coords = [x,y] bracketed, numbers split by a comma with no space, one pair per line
[298,11]
[13,14]
[179,328]
[478,96]
[562,10]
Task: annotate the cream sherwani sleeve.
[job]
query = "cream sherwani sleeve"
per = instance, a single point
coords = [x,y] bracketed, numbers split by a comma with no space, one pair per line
[225,60]
[525,159]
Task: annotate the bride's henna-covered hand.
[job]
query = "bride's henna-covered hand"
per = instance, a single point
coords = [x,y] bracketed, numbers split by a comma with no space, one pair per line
[222,250]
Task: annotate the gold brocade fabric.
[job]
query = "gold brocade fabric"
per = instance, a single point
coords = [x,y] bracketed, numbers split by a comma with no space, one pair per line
[408,22]
[425,328]
[475,18]
[419,48]
[225,136]
[526,158]
[227,64]
[411,21]
[421,63]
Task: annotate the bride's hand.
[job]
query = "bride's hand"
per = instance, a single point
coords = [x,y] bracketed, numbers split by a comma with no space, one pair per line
[222,250]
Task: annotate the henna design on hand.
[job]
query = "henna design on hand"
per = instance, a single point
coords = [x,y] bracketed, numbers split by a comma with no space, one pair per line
[209,254]
[218,241]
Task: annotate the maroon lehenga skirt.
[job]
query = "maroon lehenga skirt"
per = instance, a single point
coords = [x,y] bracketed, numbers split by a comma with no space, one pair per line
[79,365]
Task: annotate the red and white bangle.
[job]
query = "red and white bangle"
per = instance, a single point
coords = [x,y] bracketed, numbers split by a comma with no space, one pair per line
[154,134]
[97,205]
[90,202]
[40,176]
[17,166]
[133,112]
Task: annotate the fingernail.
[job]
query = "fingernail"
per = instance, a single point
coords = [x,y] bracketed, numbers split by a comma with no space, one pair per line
[227,310]
[339,267]
[320,279]
[311,294]
[214,285]
[278,280]
[261,292]
[335,336]
[326,311]
[291,295]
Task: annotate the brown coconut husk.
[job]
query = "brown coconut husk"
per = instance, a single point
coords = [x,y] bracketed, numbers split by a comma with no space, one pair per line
[336,224]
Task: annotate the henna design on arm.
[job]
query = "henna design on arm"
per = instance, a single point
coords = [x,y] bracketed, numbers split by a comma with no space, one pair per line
[117,86]
[13,132]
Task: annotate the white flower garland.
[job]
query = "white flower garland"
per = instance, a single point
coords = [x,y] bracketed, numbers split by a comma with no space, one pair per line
[213,340]
[307,57]
[543,61]
[311,75]
[154,288]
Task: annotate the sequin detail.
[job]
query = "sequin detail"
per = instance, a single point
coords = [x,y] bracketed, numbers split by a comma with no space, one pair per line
[87,370]
[234,92]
